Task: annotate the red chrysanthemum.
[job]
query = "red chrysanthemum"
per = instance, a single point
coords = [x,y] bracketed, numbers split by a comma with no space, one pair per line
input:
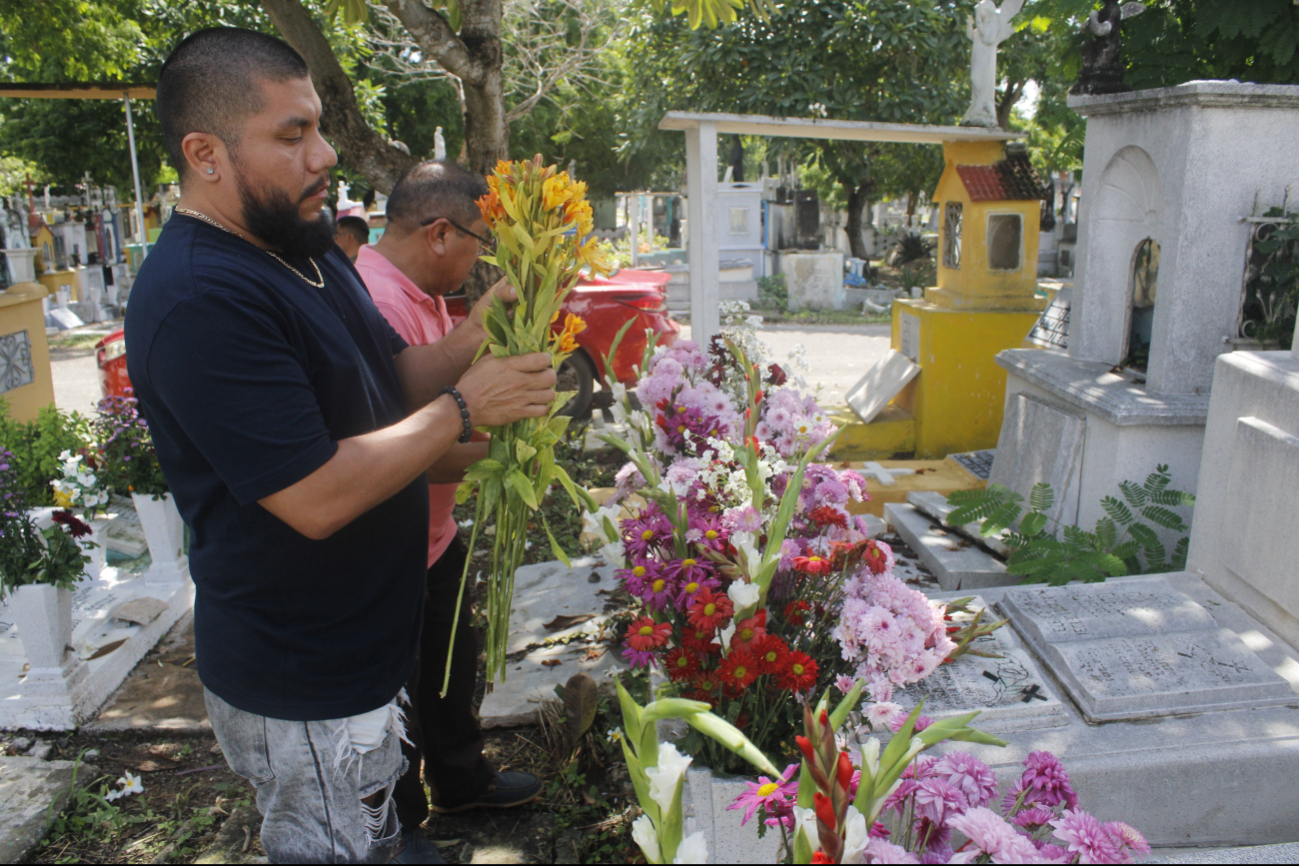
[76,527]
[749,630]
[876,560]
[700,641]
[710,610]
[800,672]
[681,665]
[794,612]
[644,634]
[828,515]
[812,564]
[706,686]
[738,671]
[770,652]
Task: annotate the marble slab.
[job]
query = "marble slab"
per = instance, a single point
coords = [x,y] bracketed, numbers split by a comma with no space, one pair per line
[1140,649]
[1010,693]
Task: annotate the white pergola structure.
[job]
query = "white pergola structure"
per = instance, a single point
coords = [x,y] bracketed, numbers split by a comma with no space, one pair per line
[85,90]
[701,131]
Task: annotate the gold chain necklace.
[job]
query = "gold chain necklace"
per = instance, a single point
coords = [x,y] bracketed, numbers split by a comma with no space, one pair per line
[320,279]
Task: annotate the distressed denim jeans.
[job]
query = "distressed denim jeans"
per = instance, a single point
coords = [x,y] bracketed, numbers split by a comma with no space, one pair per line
[324,795]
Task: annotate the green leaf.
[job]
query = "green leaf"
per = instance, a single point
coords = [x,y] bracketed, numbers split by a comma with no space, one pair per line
[1161,516]
[1033,524]
[1135,495]
[1117,511]
[523,451]
[1042,497]
[1107,533]
[1178,562]
[523,486]
[555,549]
[732,738]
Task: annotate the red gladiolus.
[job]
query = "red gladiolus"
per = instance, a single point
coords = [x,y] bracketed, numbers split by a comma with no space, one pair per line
[799,674]
[824,810]
[770,651]
[644,634]
[805,746]
[844,771]
[819,856]
[738,671]
[681,665]
[812,565]
[710,610]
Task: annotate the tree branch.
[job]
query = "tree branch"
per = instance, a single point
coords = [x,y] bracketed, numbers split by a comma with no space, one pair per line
[359,146]
[437,40]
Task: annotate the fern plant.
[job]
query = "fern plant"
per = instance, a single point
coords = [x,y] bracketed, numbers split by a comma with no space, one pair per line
[1124,542]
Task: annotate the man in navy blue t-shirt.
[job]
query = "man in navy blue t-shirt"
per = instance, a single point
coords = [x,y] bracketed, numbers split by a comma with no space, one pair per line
[295,428]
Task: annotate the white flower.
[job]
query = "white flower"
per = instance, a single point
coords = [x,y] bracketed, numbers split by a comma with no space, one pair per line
[644,835]
[128,784]
[693,849]
[746,544]
[664,778]
[805,822]
[856,838]
[595,523]
[725,636]
[743,595]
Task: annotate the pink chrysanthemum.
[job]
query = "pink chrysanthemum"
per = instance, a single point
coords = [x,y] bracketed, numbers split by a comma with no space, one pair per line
[1048,781]
[970,776]
[990,834]
[1130,837]
[1086,837]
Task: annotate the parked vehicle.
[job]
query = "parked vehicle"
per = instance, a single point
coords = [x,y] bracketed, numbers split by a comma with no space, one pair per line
[604,303]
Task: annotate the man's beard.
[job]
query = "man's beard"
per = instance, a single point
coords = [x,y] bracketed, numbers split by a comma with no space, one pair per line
[271,215]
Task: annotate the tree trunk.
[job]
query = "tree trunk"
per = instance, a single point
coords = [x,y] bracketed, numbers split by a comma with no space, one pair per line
[487,132]
[358,145]
[1014,90]
[858,201]
[737,160]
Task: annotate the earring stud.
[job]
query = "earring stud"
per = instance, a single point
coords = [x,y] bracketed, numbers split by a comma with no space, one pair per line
[211,171]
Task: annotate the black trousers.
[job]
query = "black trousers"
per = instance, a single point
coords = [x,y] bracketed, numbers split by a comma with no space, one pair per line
[445,731]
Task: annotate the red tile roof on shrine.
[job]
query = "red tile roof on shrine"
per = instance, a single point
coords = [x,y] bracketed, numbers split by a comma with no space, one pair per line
[1012,179]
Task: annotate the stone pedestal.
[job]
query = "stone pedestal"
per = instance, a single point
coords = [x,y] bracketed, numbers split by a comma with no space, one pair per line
[26,382]
[1244,541]
[814,280]
[22,265]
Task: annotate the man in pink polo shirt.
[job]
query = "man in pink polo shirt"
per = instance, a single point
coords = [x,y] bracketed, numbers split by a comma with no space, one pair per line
[434,235]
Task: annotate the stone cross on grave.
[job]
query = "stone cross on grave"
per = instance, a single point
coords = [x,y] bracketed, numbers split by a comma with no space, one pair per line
[887,477]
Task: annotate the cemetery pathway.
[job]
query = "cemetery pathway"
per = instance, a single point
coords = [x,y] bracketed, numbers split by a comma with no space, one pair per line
[76,380]
[837,355]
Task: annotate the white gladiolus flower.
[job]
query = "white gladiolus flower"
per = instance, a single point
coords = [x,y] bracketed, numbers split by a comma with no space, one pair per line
[614,554]
[743,595]
[644,835]
[746,544]
[693,849]
[663,779]
[856,838]
[725,635]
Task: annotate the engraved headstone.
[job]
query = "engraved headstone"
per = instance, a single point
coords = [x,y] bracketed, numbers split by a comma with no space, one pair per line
[1137,648]
[1010,693]
[1052,330]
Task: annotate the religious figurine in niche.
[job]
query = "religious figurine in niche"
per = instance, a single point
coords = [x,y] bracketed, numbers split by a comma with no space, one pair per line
[987,28]
[1102,54]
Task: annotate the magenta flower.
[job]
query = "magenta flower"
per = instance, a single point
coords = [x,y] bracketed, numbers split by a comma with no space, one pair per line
[1047,780]
[1087,838]
[1130,837]
[688,570]
[938,800]
[641,534]
[774,796]
[970,776]
[990,834]
[660,591]
[1037,816]
[638,658]
[707,531]
[634,579]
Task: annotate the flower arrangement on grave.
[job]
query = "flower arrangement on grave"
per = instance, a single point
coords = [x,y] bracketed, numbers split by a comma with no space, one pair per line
[890,804]
[54,555]
[758,586]
[542,223]
[80,486]
[128,462]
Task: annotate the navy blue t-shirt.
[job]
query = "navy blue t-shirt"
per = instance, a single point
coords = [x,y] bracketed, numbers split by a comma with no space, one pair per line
[248,377]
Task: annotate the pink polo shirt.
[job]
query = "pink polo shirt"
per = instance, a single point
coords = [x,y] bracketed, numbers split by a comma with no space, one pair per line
[421,320]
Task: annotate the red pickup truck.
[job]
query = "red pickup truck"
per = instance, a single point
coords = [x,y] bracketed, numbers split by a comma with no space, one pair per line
[604,303]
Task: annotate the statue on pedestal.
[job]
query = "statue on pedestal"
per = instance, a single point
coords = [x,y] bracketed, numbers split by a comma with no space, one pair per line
[1102,54]
[987,28]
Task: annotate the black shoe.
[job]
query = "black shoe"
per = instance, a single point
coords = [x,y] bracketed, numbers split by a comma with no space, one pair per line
[511,789]
[416,849]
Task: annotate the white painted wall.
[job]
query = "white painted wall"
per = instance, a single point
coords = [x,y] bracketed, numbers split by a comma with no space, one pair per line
[1182,165]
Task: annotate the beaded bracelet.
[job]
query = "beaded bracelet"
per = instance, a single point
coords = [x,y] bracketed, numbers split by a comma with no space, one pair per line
[464,413]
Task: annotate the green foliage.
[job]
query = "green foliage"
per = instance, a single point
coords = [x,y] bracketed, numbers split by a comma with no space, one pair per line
[1124,542]
[36,446]
[773,294]
[1272,283]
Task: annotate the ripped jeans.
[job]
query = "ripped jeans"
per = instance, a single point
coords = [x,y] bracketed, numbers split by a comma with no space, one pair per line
[324,789]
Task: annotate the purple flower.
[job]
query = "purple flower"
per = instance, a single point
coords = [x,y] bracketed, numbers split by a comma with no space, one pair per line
[1129,836]
[638,658]
[1086,837]
[1047,781]
[744,519]
[989,833]
[938,800]
[635,578]
[971,776]
[707,531]
[660,591]
[642,533]
[1037,816]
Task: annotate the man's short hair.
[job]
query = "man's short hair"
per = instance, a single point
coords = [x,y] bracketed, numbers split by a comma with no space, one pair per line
[210,84]
[356,227]
[436,188]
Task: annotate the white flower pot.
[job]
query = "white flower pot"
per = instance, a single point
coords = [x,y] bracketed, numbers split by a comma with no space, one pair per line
[43,615]
[163,529]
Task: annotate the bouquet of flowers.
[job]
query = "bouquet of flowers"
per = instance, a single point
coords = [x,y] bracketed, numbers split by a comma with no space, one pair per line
[128,463]
[540,218]
[80,486]
[758,584]
[54,555]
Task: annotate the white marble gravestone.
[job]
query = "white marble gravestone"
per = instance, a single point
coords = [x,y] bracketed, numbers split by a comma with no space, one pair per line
[1140,649]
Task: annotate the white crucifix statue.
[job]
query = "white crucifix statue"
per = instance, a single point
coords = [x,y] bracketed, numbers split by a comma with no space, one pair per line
[987,28]
[887,477]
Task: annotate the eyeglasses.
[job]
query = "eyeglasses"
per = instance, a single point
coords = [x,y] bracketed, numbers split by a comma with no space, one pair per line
[486,245]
